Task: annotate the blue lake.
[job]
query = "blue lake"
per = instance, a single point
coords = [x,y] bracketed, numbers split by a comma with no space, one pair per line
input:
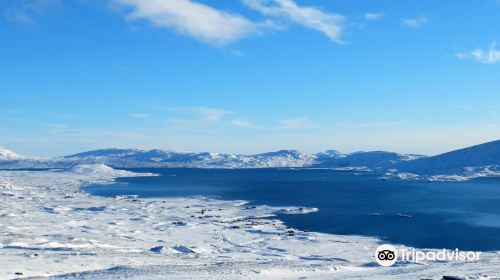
[464,215]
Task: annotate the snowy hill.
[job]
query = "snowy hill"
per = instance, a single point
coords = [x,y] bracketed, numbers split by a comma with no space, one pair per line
[283,158]
[8,155]
[372,160]
[97,170]
[483,156]
[102,171]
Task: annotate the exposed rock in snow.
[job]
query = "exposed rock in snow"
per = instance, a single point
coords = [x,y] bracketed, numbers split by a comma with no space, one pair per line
[176,249]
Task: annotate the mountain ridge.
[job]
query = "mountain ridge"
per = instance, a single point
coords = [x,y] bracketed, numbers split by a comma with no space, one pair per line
[481,155]
[478,160]
[123,158]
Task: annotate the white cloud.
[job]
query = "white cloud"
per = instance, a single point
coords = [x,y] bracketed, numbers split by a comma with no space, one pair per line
[139,115]
[245,124]
[191,18]
[462,107]
[26,12]
[490,56]
[373,16]
[237,53]
[329,24]
[296,123]
[57,125]
[212,114]
[415,22]
[204,113]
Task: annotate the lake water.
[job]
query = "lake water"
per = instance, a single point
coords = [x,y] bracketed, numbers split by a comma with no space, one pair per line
[464,215]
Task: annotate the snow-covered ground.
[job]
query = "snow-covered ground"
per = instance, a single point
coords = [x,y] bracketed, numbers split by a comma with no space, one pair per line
[49,227]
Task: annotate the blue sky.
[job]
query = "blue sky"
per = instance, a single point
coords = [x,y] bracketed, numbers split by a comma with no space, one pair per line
[248,76]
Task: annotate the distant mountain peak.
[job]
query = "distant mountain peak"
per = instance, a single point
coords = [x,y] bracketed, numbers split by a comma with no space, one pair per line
[6,154]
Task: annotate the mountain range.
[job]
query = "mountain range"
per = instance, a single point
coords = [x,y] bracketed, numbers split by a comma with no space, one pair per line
[472,159]
[130,158]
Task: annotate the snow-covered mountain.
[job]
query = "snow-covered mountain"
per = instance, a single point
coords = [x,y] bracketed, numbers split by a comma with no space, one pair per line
[479,157]
[282,158]
[161,158]
[166,158]
[8,155]
[479,160]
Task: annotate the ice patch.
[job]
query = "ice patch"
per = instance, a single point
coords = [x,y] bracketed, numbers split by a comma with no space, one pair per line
[296,210]
[467,174]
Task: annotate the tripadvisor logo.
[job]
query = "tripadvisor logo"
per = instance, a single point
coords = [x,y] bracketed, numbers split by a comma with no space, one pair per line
[388,255]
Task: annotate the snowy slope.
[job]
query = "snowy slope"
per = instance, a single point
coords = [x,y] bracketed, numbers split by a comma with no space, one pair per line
[461,161]
[8,155]
[101,170]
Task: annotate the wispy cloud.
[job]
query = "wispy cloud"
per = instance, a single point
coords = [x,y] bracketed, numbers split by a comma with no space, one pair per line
[373,16]
[375,124]
[211,114]
[57,125]
[26,12]
[237,53]
[329,24]
[296,123]
[462,107]
[490,56]
[139,115]
[245,124]
[204,113]
[193,19]
[415,22]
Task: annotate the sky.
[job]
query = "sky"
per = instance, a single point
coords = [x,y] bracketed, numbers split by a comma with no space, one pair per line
[248,76]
